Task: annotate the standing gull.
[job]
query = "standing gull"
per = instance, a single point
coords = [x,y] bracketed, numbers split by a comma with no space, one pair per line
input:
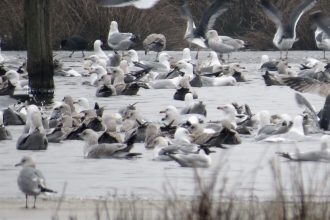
[154,42]
[120,41]
[322,33]
[223,44]
[285,35]
[30,180]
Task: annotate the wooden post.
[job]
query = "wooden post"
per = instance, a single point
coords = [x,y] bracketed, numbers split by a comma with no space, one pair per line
[39,48]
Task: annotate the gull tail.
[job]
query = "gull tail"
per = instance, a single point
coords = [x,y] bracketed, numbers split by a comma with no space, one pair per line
[44,189]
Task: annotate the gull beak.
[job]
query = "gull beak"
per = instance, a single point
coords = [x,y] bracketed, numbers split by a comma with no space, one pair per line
[192,136]
[86,58]
[171,57]
[220,107]
[75,102]
[91,72]
[162,111]
[19,164]
[124,55]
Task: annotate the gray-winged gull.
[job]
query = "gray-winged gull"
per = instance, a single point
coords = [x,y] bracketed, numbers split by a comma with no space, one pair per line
[36,138]
[120,41]
[117,150]
[12,117]
[296,133]
[162,149]
[194,160]
[223,44]
[313,155]
[142,4]
[30,180]
[285,35]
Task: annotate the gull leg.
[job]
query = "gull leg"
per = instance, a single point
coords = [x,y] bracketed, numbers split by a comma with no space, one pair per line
[26,206]
[324,55]
[228,57]
[83,53]
[157,56]
[35,198]
[220,56]
[196,57]
[280,54]
[286,56]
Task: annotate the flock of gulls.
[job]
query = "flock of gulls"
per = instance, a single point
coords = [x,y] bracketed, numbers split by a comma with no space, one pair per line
[183,136]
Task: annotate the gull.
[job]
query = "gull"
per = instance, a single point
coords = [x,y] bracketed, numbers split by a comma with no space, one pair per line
[5,134]
[30,180]
[116,150]
[313,155]
[162,149]
[142,4]
[186,55]
[83,104]
[223,44]
[98,51]
[154,42]
[14,78]
[322,33]
[196,35]
[97,61]
[194,160]
[285,36]
[296,132]
[120,41]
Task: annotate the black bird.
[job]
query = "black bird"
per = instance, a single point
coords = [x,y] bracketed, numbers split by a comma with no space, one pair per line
[74,43]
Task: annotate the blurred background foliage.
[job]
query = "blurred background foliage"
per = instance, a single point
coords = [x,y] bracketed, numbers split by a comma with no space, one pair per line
[244,20]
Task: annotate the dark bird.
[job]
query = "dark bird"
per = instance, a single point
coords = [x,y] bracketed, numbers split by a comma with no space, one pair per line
[74,43]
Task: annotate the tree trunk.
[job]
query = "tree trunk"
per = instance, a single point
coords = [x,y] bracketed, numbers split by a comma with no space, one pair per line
[39,47]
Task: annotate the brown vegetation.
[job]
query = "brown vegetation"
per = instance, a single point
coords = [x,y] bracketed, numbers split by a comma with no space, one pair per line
[296,196]
[82,17]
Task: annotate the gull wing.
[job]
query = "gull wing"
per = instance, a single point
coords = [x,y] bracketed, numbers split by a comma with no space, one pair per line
[308,85]
[211,14]
[322,21]
[295,16]
[272,13]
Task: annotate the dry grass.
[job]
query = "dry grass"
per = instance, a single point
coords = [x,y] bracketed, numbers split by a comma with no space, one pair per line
[216,199]
[243,20]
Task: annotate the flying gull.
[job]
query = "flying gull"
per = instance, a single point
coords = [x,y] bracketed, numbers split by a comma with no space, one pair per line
[196,35]
[286,34]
